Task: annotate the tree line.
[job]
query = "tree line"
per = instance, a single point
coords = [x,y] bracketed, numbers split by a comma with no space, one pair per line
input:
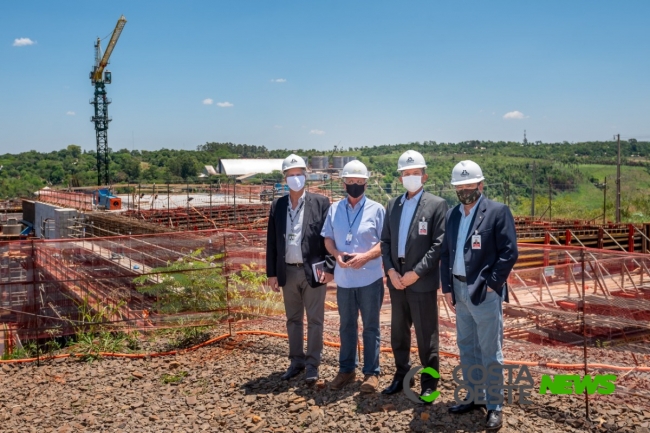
[503,162]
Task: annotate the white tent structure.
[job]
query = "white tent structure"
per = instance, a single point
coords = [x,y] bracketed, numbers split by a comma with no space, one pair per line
[208,170]
[240,167]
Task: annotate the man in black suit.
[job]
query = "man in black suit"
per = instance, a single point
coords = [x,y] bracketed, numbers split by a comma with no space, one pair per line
[293,245]
[478,253]
[410,245]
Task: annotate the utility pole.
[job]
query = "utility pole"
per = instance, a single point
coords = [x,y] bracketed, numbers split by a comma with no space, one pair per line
[532,205]
[604,200]
[550,198]
[187,202]
[618,180]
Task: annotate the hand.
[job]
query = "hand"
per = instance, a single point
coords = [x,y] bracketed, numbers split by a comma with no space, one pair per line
[339,259]
[326,277]
[273,283]
[357,261]
[450,302]
[409,278]
[396,279]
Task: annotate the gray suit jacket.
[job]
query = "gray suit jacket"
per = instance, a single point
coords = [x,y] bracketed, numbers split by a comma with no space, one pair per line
[422,251]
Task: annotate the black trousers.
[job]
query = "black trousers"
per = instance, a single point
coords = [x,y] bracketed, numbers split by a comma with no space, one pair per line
[421,310]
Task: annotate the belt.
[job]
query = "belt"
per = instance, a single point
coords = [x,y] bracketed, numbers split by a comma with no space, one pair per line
[401,260]
[297,265]
[461,278]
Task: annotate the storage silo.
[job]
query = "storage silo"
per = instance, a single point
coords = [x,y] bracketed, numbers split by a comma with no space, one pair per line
[349,158]
[338,162]
[319,162]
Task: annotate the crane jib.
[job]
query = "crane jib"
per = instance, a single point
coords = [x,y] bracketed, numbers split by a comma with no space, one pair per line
[109,48]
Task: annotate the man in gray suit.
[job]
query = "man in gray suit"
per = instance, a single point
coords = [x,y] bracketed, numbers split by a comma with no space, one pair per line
[410,245]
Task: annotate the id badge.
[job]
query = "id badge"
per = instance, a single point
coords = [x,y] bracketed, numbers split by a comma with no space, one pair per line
[476,242]
[422,228]
[348,239]
[293,239]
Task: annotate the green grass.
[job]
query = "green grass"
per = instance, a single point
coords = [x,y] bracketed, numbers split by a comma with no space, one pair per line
[178,377]
[586,202]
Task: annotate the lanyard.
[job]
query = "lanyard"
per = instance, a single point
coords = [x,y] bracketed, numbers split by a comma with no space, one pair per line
[295,214]
[347,213]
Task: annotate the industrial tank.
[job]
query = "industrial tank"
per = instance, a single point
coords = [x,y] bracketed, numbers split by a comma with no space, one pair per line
[319,162]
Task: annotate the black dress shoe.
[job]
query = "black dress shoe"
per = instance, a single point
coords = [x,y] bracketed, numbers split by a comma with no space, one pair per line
[464,408]
[397,385]
[494,420]
[292,371]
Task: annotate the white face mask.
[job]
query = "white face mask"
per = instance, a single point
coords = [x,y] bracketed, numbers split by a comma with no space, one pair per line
[412,183]
[296,183]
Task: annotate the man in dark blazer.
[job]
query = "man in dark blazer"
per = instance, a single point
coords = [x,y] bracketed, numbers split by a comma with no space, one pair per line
[478,253]
[293,245]
[410,245]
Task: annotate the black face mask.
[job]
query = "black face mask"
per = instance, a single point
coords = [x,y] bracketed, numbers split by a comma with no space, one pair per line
[355,190]
[468,196]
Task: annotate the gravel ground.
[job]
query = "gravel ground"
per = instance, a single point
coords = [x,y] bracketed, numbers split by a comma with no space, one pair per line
[234,386]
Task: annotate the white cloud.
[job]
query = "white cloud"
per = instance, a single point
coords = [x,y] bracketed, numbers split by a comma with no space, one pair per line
[317,132]
[207,101]
[225,104]
[277,126]
[279,80]
[22,42]
[70,113]
[514,115]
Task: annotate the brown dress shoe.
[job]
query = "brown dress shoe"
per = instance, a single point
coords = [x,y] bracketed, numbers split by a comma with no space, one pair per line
[370,383]
[342,379]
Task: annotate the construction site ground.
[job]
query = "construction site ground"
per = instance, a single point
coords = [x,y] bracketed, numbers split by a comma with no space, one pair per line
[234,386]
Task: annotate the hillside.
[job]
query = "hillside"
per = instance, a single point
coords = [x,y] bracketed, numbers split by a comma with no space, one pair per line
[574,171]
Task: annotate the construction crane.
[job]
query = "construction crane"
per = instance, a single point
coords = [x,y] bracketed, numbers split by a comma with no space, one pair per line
[99,78]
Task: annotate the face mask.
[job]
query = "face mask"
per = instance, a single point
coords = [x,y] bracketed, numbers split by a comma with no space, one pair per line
[355,190]
[296,183]
[468,196]
[412,183]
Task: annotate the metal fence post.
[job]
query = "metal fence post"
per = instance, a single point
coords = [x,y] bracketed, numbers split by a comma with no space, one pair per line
[584,327]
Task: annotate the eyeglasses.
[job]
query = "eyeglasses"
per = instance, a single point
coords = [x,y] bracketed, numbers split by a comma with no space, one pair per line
[349,181]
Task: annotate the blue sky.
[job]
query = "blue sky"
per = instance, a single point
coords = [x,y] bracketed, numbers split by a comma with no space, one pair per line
[299,74]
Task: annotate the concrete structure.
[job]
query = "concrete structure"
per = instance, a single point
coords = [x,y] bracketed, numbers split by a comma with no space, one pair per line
[240,167]
[338,162]
[319,162]
[53,222]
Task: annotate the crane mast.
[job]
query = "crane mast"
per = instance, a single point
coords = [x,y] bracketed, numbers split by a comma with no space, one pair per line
[99,78]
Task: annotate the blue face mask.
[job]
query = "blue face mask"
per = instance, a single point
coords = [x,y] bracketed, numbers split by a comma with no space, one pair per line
[296,183]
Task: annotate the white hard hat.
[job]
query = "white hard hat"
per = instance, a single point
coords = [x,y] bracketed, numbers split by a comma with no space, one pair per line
[293,161]
[355,169]
[466,172]
[411,159]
